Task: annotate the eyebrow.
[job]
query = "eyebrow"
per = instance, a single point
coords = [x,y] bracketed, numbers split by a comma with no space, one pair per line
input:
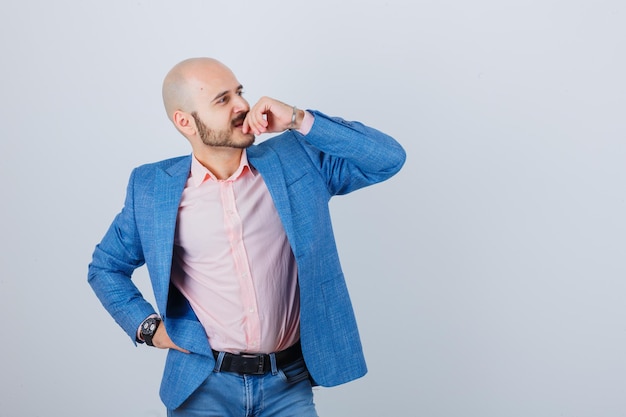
[223,93]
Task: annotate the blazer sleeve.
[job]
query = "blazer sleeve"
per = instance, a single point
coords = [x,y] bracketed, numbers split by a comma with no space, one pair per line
[350,155]
[114,260]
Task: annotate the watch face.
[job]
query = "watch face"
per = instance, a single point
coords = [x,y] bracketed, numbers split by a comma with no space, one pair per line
[149,326]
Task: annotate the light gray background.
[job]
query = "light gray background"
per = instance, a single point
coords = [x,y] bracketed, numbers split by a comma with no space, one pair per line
[487,277]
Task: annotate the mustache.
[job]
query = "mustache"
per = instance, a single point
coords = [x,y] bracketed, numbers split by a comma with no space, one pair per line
[239,119]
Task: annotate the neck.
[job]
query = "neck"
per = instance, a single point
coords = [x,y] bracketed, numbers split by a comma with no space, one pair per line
[221,161]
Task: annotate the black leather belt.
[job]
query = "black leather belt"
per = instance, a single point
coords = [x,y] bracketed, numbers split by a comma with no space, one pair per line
[257,364]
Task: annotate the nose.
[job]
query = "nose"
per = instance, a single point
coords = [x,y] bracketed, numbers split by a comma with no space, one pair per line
[240,105]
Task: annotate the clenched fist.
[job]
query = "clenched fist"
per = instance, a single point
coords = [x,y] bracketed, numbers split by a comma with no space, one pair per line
[269,116]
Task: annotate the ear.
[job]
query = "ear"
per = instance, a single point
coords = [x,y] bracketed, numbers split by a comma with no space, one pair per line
[184,122]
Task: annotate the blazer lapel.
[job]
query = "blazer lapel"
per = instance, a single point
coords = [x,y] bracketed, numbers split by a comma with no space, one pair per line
[269,166]
[168,189]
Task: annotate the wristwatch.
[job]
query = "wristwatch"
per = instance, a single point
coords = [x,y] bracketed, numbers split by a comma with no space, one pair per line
[149,328]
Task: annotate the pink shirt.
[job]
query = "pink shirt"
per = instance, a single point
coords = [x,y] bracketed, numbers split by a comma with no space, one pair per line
[233,262]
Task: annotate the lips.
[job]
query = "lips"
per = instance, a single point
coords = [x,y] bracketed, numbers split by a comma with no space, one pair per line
[238,121]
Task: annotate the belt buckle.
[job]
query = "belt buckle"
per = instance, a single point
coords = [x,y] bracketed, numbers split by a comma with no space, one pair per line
[260,363]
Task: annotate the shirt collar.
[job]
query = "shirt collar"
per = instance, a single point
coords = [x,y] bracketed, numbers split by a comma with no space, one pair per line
[199,173]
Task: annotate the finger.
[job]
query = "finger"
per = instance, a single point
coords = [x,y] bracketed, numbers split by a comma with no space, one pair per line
[249,125]
[178,348]
[245,127]
[255,120]
[170,345]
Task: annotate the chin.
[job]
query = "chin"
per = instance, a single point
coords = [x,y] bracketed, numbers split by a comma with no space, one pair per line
[248,140]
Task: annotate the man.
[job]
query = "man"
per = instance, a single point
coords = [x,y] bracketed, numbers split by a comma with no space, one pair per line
[239,247]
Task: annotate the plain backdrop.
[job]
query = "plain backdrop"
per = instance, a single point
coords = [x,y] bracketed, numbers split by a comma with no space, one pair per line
[487,276]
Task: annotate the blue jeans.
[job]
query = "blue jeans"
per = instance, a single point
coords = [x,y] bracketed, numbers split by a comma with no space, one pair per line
[285,392]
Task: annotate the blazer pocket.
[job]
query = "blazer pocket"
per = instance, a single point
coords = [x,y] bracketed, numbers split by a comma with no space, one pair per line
[297,178]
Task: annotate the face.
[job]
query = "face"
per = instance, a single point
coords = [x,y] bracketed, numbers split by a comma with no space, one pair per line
[224,137]
[220,109]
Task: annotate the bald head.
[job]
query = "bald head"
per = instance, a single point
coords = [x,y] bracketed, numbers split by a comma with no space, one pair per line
[186,80]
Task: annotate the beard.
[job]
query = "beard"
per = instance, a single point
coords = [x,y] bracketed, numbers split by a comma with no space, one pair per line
[224,137]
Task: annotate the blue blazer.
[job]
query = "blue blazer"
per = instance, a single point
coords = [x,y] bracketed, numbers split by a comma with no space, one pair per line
[302,173]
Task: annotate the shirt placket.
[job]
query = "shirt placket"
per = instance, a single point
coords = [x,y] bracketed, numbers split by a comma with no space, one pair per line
[234,228]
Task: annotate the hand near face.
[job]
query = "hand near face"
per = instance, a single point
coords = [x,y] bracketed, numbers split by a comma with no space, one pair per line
[270,116]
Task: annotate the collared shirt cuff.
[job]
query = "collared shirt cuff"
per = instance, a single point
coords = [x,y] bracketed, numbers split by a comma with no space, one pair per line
[307,123]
